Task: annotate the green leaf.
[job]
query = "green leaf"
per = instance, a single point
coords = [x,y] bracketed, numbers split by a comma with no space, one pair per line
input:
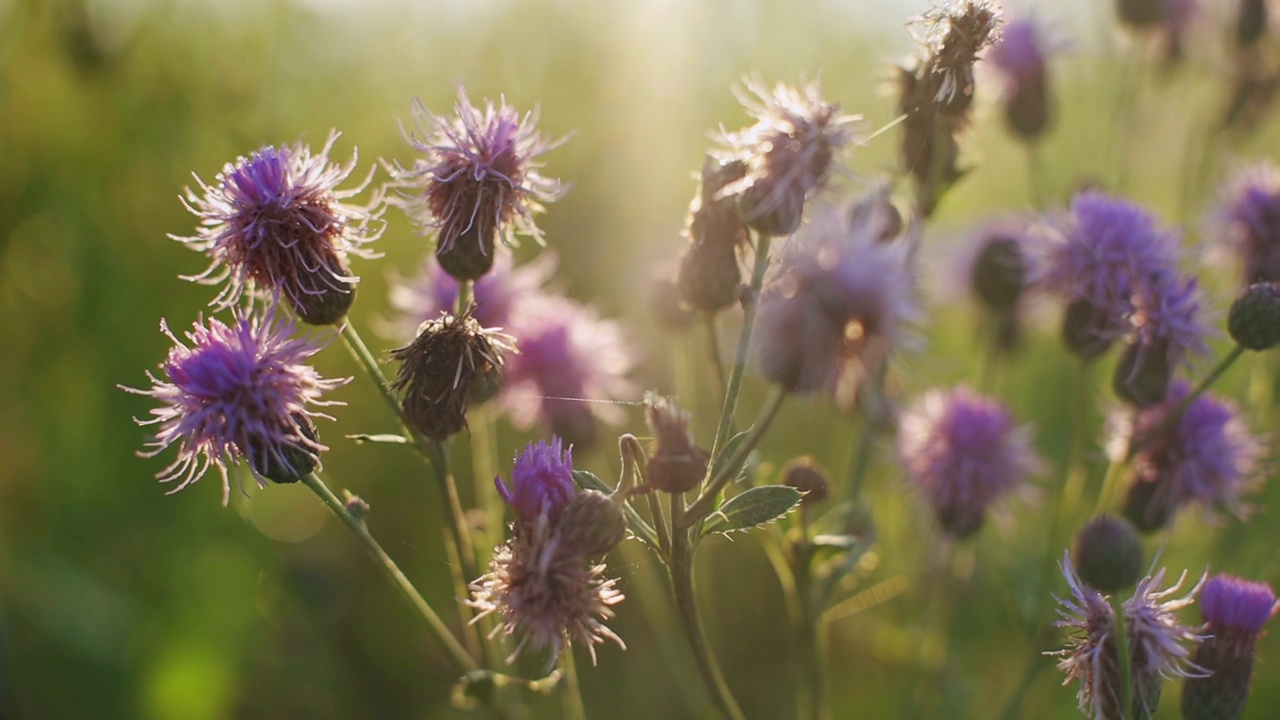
[727,453]
[636,523]
[755,507]
[385,439]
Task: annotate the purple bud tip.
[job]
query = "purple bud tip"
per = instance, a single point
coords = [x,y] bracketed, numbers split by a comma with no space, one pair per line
[542,480]
[1237,603]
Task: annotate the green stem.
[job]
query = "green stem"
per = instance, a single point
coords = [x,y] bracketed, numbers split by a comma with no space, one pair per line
[1172,418]
[574,709]
[1121,626]
[465,294]
[457,539]
[687,607]
[729,470]
[810,625]
[463,659]
[730,406]
[1110,484]
[860,460]
[1035,175]
[713,345]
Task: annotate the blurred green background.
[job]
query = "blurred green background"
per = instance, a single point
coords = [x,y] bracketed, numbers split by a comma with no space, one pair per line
[119,602]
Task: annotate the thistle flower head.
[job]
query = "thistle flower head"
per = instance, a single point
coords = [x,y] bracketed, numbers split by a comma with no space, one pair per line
[237,391]
[839,299]
[1208,458]
[1235,612]
[1249,215]
[275,221]
[787,152]
[478,179]
[571,366]
[541,481]
[547,598]
[450,356]
[964,452]
[1231,602]
[1158,643]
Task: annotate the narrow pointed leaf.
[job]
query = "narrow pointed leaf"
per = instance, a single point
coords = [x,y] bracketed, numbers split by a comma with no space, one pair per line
[385,439]
[755,507]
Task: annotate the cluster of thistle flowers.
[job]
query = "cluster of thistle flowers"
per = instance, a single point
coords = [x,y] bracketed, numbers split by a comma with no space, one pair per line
[1121,651]
[278,235]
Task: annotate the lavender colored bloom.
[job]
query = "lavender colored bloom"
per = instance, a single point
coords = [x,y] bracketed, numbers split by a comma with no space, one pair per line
[542,481]
[837,302]
[479,180]
[1208,458]
[498,295]
[1158,643]
[964,452]
[1249,215]
[1235,612]
[571,366]
[787,152]
[277,221]
[239,391]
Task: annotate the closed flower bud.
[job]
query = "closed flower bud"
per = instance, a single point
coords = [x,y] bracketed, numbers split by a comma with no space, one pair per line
[676,464]
[288,461]
[1143,374]
[1108,554]
[1254,319]
[591,525]
[709,276]
[470,257]
[1235,611]
[334,294]
[803,474]
[1000,273]
[1087,330]
[441,367]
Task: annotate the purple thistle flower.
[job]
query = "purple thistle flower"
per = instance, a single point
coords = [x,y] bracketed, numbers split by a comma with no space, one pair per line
[1209,458]
[1235,612]
[548,597]
[498,295]
[479,180]
[1249,214]
[570,367]
[1158,643]
[787,152]
[239,391]
[964,452]
[542,481]
[276,221]
[1021,60]
[838,301]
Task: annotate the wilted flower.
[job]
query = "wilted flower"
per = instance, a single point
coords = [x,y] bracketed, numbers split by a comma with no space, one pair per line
[787,153]
[1235,612]
[1208,457]
[277,221]
[956,34]
[1249,213]
[572,366]
[1158,643]
[239,391]
[964,452]
[836,303]
[479,181]
[1021,59]
[543,582]
[709,276]
[450,356]
[676,463]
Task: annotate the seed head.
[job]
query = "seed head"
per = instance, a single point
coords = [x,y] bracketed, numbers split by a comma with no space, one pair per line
[448,359]
[964,452]
[956,35]
[238,391]
[276,222]
[787,153]
[477,181]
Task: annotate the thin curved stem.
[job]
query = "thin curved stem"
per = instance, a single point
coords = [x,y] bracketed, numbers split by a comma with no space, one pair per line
[1125,657]
[463,659]
[730,406]
[713,351]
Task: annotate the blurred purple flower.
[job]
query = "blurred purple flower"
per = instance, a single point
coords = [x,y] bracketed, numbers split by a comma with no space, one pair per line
[276,220]
[1249,213]
[1209,457]
[964,452]
[1021,53]
[478,178]
[837,302]
[571,367]
[1233,603]
[1158,643]
[788,152]
[498,295]
[239,391]
[541,481]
